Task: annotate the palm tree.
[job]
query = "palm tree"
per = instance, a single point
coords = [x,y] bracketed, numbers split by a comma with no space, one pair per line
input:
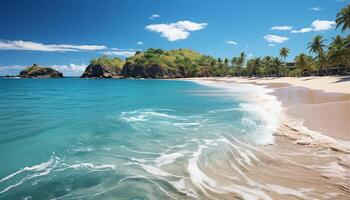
[303,62]
[343,18]
[234,61]
[317,45]
[256,66]
[241,59]
[219,61]
[226,62]
[284,52]
[338,54]
[337,41]
[276,64]
[266,61]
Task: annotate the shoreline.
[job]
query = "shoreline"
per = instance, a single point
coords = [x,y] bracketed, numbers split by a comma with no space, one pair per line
[316,110]
[298,151]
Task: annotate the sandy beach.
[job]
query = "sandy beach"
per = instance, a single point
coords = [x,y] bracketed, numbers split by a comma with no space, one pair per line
[313,138]
[322,104]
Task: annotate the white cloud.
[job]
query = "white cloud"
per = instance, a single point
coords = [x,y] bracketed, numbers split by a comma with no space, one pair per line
[36,46]
[176,31]
[120,52]
[276,38]
[282,28]
[271,45]
[154,16]
[323,25]
[317,8]
[13,67]
[71,69]
[139,43]
[303,30]
[317,25]
[230,42]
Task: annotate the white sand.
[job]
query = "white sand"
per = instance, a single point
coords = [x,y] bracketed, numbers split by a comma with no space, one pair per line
[337,84]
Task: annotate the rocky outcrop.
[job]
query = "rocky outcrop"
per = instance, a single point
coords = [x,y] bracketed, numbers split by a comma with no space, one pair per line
[148,71]
[99,71]
[36,71]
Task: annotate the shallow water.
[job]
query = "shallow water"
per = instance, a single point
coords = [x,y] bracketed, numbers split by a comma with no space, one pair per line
[138,139]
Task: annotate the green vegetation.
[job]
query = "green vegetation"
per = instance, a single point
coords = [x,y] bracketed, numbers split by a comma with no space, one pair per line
[35,71]
[188,62]
[107,62]
[284,52]
[32,68]
[343,18]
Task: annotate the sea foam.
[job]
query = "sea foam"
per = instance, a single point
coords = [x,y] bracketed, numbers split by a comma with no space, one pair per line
[264,110]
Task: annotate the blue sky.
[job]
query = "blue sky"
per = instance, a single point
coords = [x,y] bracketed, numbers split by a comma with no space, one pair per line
[66,34]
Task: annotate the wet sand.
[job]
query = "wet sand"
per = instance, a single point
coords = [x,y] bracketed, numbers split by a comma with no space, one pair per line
[324,112]
[321,103]
[310,158]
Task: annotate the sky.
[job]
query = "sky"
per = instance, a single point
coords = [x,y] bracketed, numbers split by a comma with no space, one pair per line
[67,34]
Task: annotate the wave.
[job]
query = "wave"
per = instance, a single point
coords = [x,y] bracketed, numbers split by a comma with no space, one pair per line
[261,109]
[54,164]
[146,115]
[295,129]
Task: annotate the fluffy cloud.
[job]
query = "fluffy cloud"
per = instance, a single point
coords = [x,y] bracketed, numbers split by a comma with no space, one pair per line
[323,25]
[275,39]
[35,46]
[230,42]
[303,30]
[176,31]
[271,45]
[139,43]
[317,25]
[71,69]
[282,28]
[154,16]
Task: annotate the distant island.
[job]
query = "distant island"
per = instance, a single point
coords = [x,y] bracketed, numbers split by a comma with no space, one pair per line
[36,71]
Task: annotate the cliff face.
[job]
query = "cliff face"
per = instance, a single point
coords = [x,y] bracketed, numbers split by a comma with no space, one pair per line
[157,63]
[103,67]
[36,71]
[148,71]
[99,71]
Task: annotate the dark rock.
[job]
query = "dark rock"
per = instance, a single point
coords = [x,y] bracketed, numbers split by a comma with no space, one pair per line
[98,71]
[148,71]
[36,71]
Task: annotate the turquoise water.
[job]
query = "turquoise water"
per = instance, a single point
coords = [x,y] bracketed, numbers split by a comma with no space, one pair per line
[115,139]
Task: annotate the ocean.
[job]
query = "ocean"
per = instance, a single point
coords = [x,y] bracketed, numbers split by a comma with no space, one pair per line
[77,138]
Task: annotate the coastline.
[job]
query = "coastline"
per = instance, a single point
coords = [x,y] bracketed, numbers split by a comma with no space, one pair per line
[298,150]
[322,104]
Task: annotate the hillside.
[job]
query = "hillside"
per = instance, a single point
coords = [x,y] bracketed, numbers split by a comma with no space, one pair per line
[157,63]
[103,67]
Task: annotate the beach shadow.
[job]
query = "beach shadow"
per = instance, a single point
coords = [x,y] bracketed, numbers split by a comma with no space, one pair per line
[308,79]
[343,79]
